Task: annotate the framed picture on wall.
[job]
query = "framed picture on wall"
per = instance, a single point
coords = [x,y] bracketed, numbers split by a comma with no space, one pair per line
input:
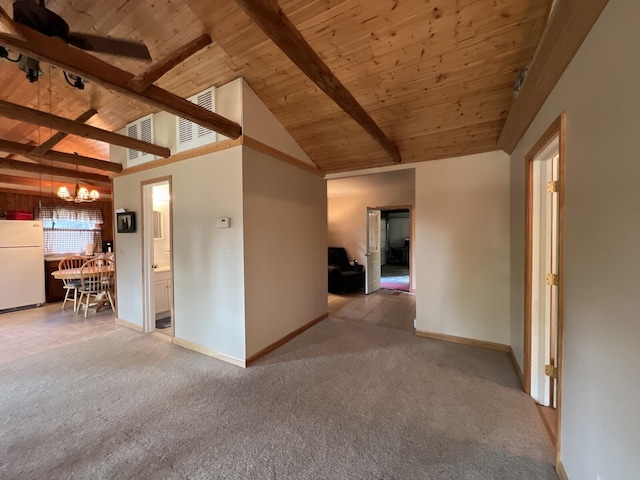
[127,222]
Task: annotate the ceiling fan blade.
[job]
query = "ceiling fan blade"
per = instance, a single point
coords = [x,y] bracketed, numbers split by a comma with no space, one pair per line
[7,25]
[113,46]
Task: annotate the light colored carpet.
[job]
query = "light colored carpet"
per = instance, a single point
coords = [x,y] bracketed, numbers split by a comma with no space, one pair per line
[341,401]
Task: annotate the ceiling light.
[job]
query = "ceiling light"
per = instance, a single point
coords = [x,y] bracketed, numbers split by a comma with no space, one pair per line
[81,194]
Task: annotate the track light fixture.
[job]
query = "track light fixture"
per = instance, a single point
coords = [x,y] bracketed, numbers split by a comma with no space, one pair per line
[31,67]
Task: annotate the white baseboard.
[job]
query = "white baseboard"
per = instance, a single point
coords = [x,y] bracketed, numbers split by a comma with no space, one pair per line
[132,326]
[209,352]
[465,341]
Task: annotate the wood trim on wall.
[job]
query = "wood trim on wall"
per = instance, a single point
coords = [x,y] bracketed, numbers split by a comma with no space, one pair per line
[556,130]
[151,181]
[562,473]
[569,24]
[179,157]
[285,339]
[516,367]
[465,341]
[412,229]
[218,147]
[285,157]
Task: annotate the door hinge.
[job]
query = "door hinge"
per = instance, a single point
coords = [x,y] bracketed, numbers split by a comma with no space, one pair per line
[551,371]
[553,187]
[553,279]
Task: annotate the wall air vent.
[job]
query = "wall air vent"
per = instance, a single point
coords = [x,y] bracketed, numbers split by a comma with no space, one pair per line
[141,129]
[191,135]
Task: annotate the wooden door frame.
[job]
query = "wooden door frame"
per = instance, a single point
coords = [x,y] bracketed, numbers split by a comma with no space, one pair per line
[411,241]
[556,130]
[145,267]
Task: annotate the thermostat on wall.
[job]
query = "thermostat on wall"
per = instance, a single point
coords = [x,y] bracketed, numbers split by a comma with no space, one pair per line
[224,222]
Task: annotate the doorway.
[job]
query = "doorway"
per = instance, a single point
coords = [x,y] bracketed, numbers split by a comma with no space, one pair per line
[395,247]
[157,227]
[544,260]
[389,256]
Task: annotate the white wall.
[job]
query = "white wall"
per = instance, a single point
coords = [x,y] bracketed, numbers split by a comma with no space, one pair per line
[208,288]
[259,123]
[462,247]
[285,211]
[599,93]
[347,218]
[281,208]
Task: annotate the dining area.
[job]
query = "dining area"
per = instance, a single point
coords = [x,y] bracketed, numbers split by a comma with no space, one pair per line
[87,281]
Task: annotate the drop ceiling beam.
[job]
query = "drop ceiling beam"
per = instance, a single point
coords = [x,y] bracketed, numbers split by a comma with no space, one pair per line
[277,26]
[39,183]
[71,59]
[47,170]
[25,150]
[141,82]
[568,26]
[44,119]
[58,137]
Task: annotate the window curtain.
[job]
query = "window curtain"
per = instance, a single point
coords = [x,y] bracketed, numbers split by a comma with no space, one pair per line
[70,214]
[70,229]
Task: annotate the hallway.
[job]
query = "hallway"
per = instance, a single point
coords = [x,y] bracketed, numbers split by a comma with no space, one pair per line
[394,277]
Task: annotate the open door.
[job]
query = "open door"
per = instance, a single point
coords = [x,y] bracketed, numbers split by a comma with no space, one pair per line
[372,277]
[544,276]
[544,272]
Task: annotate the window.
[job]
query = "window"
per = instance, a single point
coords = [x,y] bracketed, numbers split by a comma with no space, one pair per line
[70,229]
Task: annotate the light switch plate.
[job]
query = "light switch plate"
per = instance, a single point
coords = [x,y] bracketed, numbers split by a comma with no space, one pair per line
[224,222]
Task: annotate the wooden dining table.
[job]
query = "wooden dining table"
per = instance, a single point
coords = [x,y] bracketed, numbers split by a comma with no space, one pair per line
[74,274]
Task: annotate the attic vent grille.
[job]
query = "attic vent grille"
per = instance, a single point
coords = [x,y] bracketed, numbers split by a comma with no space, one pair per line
[185,130]
[132,132]
[191,135]
[205,100]
[145,130]
[141,129]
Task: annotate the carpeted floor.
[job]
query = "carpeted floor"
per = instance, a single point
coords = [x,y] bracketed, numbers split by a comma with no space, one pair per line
[341,401]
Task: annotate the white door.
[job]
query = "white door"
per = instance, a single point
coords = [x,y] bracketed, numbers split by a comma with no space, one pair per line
[372,276]
[544,308]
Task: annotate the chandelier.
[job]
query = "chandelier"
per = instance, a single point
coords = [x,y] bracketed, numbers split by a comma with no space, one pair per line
[81,194]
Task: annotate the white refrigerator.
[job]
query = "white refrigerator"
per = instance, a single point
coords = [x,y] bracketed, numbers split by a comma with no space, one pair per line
[21,264]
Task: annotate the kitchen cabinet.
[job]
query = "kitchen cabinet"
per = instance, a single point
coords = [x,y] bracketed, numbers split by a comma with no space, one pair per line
[53,287]
[162,292]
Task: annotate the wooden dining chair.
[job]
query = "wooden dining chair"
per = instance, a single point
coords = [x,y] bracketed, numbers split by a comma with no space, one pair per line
[71,284]
[96,278]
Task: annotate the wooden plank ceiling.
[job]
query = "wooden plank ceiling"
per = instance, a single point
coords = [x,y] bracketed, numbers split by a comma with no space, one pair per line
[435,75]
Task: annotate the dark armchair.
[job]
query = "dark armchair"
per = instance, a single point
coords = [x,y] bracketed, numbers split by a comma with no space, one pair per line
[343,277]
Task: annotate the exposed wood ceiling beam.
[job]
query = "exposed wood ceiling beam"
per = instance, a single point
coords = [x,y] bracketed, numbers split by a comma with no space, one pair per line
[47,170]
[568,26]
[25,150]
[58,137]
[37,182]
[44,119]
[272,20]
[71,59]
[142,81]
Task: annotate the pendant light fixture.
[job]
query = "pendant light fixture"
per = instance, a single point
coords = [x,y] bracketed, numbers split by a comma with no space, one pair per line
[80,194]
